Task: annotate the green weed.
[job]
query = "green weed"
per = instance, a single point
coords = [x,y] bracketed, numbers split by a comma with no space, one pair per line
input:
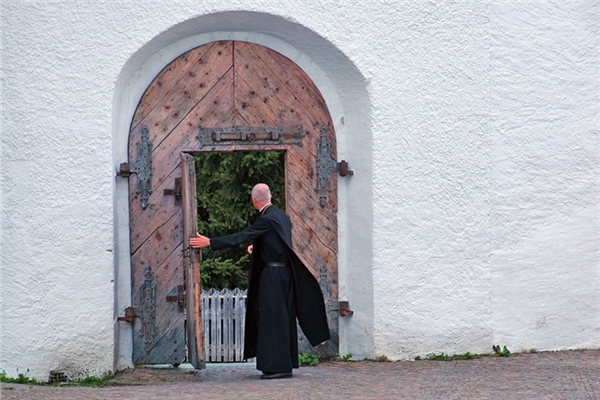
[447,357]
[308,359]
[346,357]
[438,357]
[90,381]
[466,356]
[93,381]
[22,378]
[501,352]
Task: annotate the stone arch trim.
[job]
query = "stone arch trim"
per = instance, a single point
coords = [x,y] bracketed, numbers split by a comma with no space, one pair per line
[344,89]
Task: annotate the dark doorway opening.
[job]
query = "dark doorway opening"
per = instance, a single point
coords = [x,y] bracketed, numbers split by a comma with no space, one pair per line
[224,181]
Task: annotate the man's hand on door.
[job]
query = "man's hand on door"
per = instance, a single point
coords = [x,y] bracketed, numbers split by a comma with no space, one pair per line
[199,241]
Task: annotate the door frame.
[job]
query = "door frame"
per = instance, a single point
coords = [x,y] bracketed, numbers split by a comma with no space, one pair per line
[352,99]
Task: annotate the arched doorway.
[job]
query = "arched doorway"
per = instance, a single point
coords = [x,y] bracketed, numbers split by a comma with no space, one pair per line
[223,96]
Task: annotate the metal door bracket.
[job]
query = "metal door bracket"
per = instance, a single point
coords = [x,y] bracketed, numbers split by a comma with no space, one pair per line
[250,135]
[179,298]
[176,191]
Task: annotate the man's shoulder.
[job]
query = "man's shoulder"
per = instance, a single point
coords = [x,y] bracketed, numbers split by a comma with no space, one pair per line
[274,212]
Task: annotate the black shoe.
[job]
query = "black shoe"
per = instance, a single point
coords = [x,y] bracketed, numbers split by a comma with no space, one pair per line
[276,375]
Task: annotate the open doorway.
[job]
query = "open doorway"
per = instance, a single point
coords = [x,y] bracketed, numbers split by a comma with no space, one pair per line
[223,185]
[224,181]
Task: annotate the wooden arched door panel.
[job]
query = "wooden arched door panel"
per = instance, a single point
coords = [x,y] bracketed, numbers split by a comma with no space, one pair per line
[223,96]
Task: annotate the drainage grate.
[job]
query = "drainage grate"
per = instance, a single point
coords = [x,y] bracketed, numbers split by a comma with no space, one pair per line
[58,377]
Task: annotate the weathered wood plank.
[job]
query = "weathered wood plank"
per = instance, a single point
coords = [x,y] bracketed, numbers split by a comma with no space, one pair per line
[259,92]
[308,95]
[166,79]
[209,112]
[161,208]
[302,183]
[160,244]
[254,111]
[309,247]
[264,83]
[185,94]
[167,276]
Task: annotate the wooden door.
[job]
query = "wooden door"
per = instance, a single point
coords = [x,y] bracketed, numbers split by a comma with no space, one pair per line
[191,263]
[225,96]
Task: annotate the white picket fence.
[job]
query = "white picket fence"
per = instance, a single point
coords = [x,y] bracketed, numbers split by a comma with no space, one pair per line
[223,313]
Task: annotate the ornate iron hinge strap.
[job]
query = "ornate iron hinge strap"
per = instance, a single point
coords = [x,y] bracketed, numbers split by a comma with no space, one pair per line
[147,309]
[326,165]
[142,167]
[247,134]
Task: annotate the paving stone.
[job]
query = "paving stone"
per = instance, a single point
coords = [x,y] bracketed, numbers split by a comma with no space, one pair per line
[544,375]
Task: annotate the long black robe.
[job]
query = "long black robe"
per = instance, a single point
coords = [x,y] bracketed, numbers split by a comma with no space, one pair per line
[277,295]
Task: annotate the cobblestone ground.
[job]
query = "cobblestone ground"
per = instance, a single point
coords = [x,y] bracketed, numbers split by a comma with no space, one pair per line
[546,375]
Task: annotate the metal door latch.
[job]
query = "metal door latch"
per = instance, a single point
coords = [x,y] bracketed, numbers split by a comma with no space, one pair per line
[179,298]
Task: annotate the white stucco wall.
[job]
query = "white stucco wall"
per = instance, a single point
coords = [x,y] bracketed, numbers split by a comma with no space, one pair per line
[472,219]
[544,219]
[489,218]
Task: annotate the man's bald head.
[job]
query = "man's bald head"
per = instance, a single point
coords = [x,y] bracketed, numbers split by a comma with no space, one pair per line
[261,195]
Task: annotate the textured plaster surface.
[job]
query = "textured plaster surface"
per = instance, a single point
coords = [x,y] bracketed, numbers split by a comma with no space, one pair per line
[472,218]
[545,168]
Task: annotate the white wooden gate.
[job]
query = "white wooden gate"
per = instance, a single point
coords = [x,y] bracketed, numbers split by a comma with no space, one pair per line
[223,321]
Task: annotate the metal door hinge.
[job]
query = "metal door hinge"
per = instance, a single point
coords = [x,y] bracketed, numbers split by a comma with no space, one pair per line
[342,307]
[129,315]
[343,168]
[142,168]
[345,309]
[326,165]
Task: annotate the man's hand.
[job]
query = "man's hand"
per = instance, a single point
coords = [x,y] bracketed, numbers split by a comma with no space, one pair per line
[199,242]
[250,248]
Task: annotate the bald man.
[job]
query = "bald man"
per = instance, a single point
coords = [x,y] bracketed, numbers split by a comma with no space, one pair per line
[280,290]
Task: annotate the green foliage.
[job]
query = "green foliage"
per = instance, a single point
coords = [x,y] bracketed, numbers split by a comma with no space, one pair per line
[217,273]
[346,357]
[382,358]
[308,359]
[223,192]
[466,356]
[91,381]
[438,357]
[22,378]
[446,357]
[501,352]
[95,381]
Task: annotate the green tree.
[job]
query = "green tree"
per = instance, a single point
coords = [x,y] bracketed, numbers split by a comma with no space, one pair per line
[224,186]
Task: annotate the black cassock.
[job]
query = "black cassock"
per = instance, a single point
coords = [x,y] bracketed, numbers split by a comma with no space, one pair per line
[277,295]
